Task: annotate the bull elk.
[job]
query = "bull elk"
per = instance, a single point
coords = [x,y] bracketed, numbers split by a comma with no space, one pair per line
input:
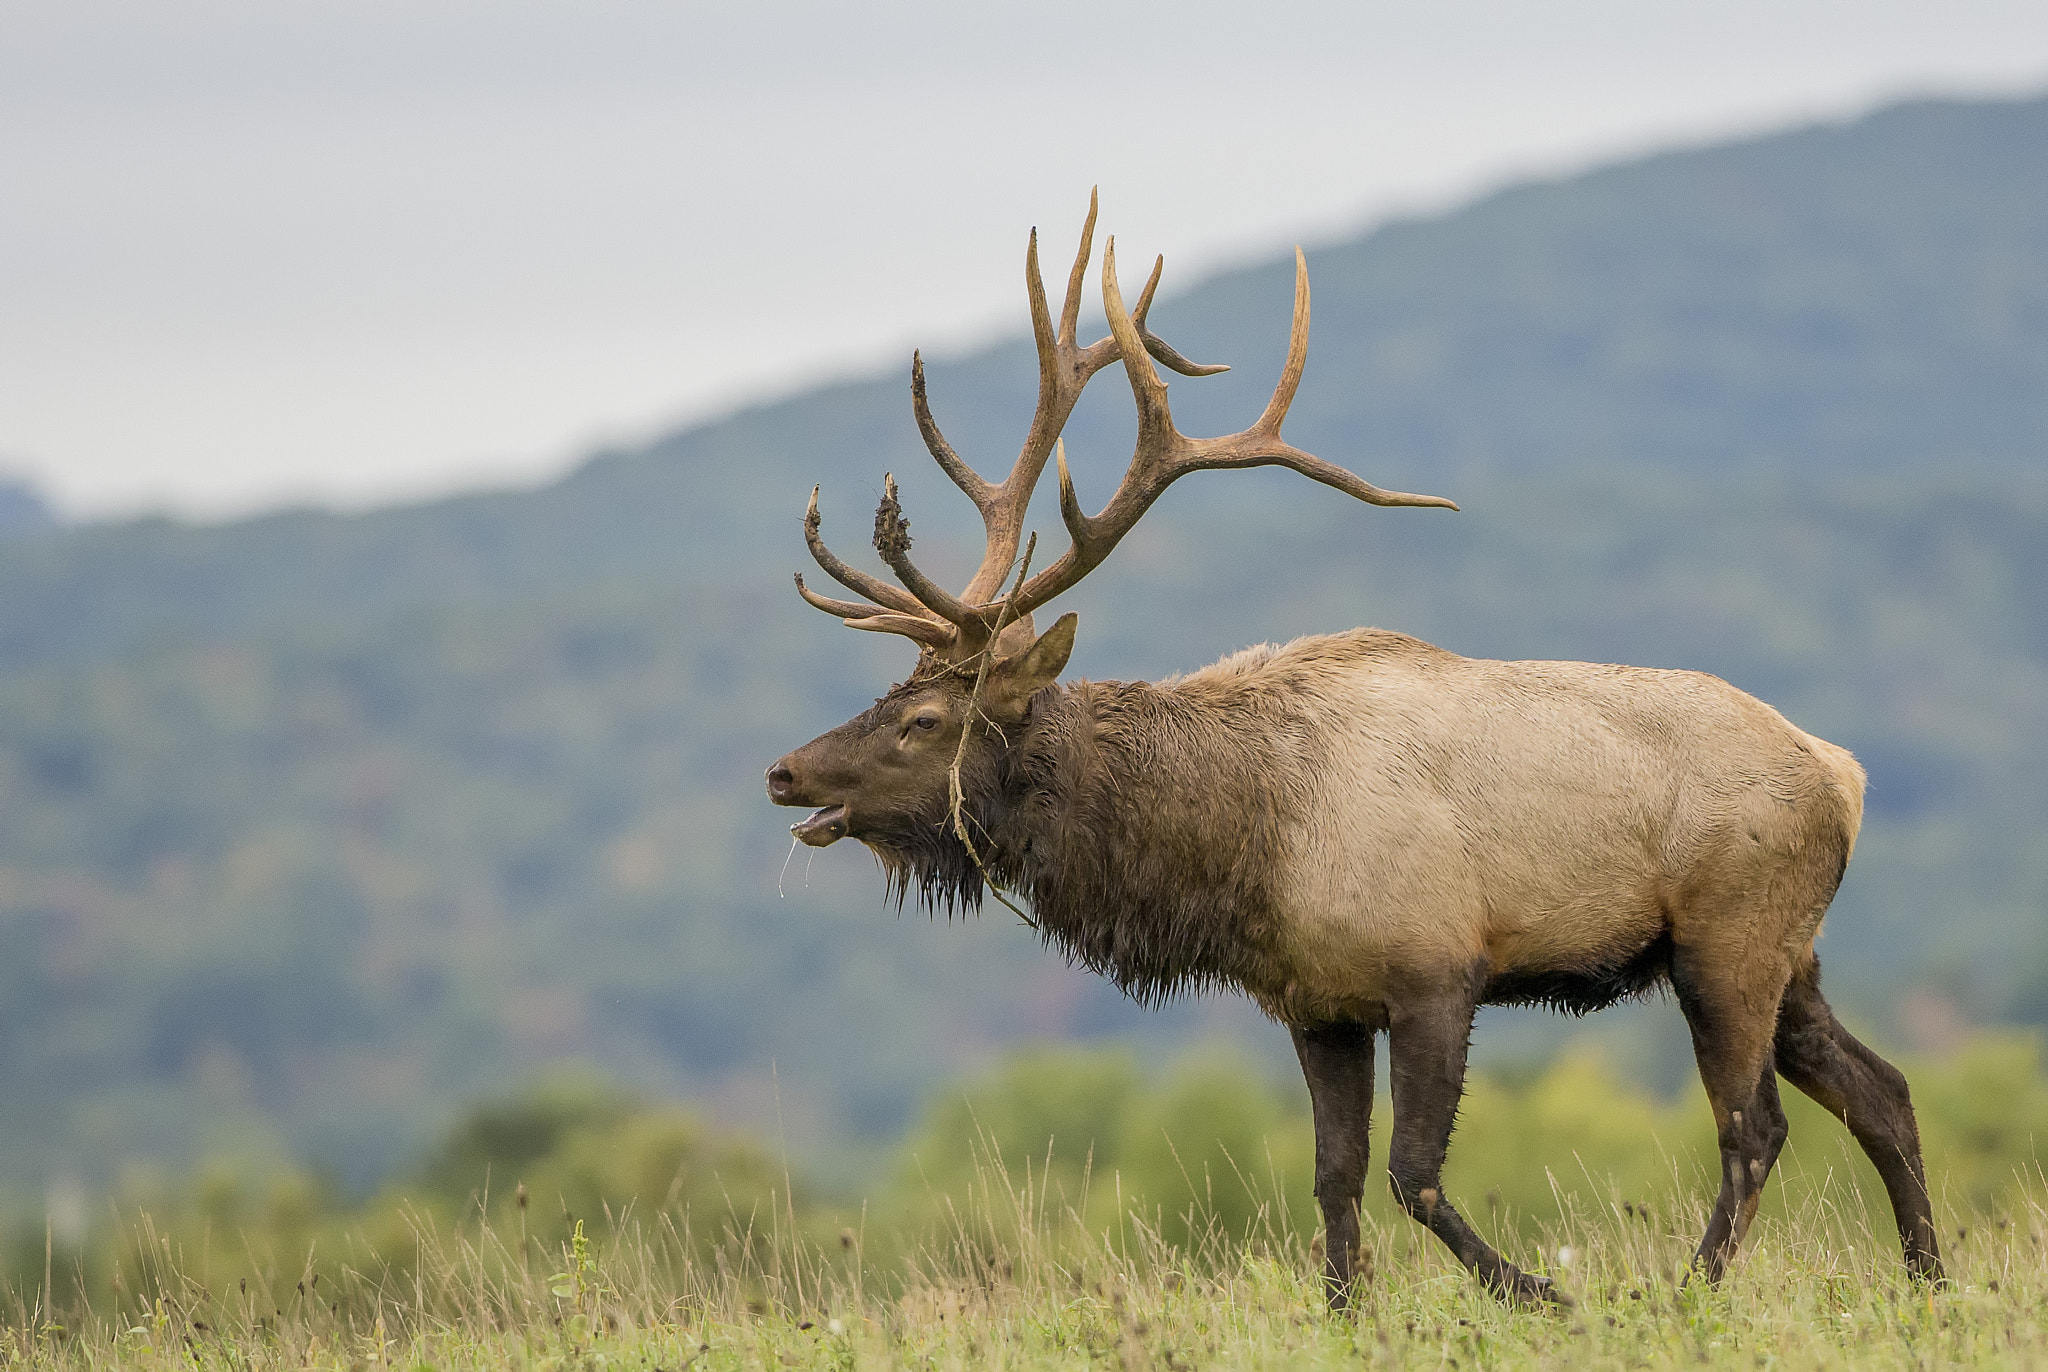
[1364,833]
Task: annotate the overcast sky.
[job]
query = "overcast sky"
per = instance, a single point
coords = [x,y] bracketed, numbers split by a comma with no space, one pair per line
[355,250]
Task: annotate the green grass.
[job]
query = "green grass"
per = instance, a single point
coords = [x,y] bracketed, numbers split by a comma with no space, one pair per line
[1011,1277]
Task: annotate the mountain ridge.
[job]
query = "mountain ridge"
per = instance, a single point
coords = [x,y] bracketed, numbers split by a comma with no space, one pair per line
[319,824]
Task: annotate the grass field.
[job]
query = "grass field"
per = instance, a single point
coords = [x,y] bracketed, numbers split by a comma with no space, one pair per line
[1011,1279]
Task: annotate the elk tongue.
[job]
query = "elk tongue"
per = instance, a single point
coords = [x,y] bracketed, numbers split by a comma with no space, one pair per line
[821,827]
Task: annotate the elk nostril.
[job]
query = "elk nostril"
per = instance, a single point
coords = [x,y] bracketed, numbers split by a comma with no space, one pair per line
[780,779]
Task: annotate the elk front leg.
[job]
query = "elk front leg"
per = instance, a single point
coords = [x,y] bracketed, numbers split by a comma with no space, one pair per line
[1426,1057]
[1731,1039]
[1337,1061]
[1749,1146]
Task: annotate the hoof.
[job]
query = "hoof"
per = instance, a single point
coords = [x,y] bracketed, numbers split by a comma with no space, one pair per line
[1542,1292]
[1930,1275]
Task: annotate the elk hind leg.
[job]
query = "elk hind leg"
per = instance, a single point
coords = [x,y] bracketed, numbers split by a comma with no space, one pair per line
[1426,1047]
[1731,1018]
[1337,1061]
[1867,1094]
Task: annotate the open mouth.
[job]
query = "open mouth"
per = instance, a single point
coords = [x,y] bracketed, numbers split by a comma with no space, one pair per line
[821,826]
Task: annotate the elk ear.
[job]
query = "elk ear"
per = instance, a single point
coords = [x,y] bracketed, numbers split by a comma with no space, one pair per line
[1018,678]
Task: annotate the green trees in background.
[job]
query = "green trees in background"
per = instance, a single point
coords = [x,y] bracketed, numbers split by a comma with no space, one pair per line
[1212,1145]
[1209,1156]
[572,1148]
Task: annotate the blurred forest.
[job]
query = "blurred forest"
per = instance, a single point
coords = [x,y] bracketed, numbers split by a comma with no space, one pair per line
[1057,1145]
[321,827]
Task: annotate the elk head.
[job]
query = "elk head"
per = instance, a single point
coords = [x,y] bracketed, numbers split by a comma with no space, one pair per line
[886,777]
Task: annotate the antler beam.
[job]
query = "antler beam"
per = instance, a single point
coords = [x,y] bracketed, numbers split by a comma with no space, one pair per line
[1064,369]
[956,628]
[1164,454]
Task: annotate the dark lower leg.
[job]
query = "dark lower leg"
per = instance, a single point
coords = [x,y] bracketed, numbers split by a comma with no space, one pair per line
[1772,1112]
[1869,1095]
[1732,1044]
[1750,1144]
[1337,1061]
[1426,1058]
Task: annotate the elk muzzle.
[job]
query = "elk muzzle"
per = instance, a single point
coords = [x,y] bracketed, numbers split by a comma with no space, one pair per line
[825,825]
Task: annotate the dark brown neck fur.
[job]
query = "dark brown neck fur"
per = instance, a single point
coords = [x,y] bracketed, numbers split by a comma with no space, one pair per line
[1146,824]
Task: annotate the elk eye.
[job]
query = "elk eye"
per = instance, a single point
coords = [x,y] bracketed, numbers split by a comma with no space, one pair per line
[927,721]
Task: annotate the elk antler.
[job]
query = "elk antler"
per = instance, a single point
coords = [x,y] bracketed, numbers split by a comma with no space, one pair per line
[1164,454]
[955,629]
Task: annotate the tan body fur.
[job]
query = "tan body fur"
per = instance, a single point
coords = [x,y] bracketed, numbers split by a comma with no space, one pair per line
[1532,816]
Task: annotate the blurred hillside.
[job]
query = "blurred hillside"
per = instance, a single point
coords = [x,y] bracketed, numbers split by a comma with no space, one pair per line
[319,826]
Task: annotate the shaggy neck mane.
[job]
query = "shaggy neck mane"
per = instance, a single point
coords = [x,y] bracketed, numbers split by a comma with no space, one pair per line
[1146,824]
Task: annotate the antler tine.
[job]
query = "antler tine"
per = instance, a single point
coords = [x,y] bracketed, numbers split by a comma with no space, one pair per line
[1297,355]
[845,609]
[1156,435]
[852,578]
[1163,454]
[929,632]
[892,541]
[1042,335]
[977,488]
[1064,369]
[1070,308]
[1246,450]
[1158,346]
[897,611]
